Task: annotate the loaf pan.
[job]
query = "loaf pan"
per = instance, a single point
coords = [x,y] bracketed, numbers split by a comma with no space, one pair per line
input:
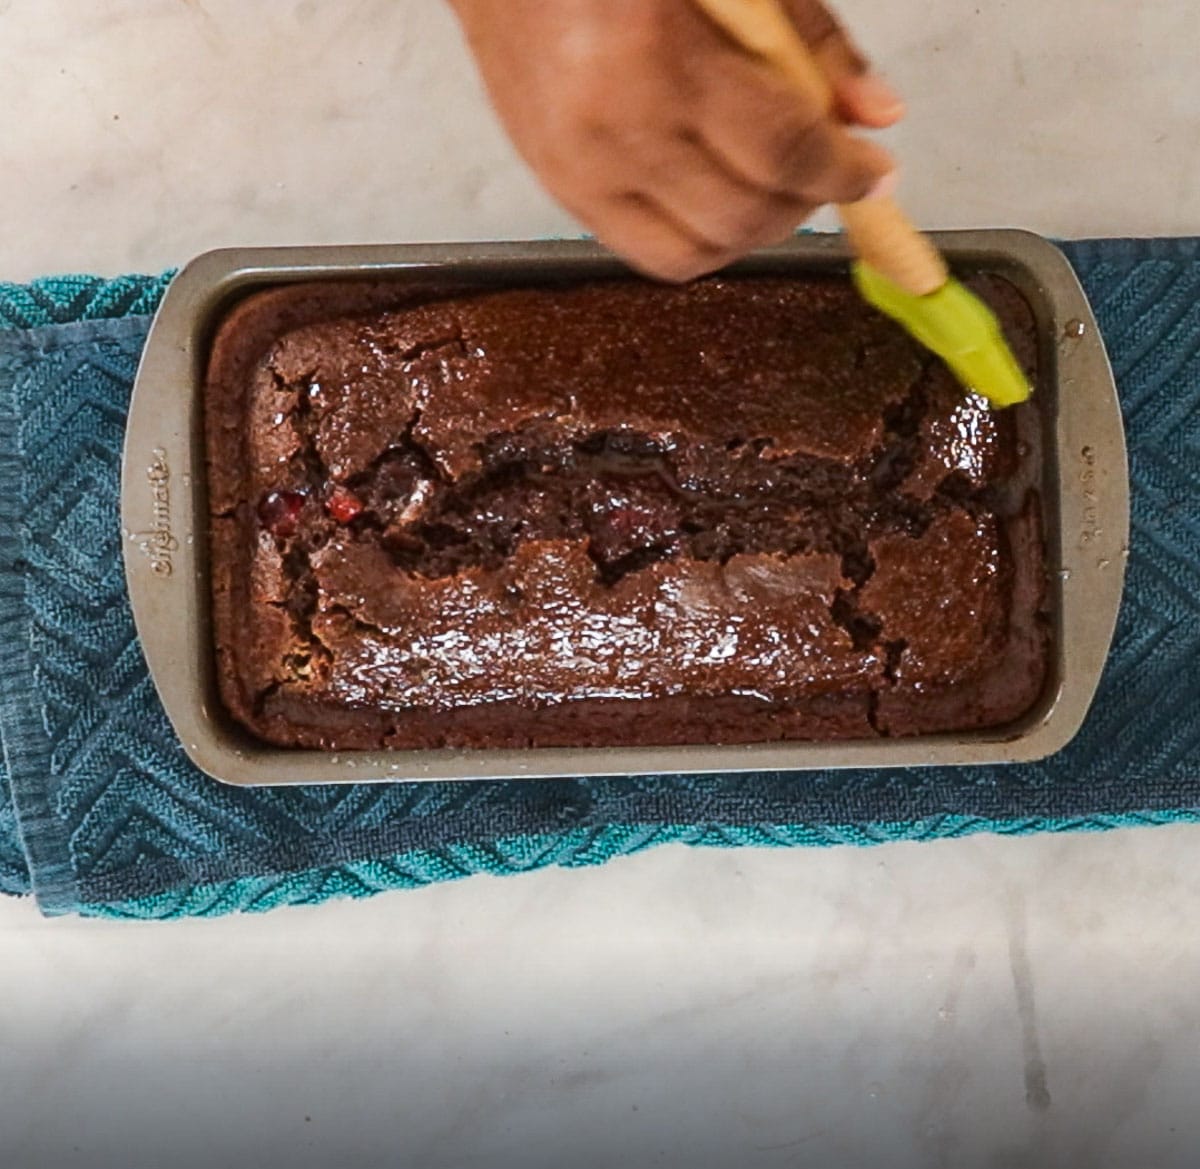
[1085,495]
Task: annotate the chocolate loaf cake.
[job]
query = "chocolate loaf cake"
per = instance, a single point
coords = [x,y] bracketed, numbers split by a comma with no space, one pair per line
[614,513]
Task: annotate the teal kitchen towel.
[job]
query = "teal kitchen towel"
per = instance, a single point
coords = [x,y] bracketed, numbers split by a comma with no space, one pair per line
[102,814]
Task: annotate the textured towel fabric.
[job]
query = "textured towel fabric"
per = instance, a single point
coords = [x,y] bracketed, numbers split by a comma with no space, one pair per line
[101,813]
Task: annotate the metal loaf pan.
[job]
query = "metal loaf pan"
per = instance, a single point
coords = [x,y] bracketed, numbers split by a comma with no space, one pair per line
[1085,494]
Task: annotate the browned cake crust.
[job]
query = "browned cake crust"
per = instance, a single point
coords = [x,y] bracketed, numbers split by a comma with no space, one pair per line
[614,513]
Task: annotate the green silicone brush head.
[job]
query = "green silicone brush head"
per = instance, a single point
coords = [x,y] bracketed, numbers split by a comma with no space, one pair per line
[956,325]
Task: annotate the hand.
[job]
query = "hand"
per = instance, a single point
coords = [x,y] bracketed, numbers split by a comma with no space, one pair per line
[674,147]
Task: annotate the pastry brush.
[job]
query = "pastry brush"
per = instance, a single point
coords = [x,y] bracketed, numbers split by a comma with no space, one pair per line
[898,270]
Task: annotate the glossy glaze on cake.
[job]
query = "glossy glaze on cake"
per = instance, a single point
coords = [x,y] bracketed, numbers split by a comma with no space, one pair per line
[614,513]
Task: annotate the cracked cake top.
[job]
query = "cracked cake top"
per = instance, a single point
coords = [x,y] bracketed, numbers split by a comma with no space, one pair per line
[613,513]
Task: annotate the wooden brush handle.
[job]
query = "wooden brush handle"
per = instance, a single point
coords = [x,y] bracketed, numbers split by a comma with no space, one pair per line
[884,237]
[879,231]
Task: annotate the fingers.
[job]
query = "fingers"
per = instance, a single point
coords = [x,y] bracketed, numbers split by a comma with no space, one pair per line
[676,148]
[754,122]
[739,166]
[861,96]
[826,37]
[645,235]
[866,99]
[684,176]
[653,240]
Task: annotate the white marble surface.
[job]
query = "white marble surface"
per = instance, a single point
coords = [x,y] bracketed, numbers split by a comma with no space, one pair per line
[138,132]
[979,1002]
